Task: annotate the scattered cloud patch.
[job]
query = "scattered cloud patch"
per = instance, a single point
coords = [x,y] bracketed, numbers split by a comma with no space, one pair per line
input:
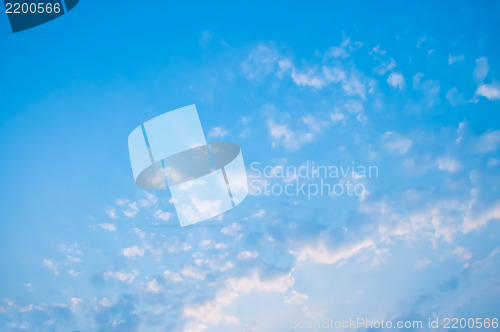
[449,164]
[153,287]
[320,253]
[385,67]
[396,80]
[217,132]
[397,143]
[295,298]
[246,255]
[481,69]
[163,215]
[111,212]
[489,91]
[489,141]
[133,252]
[282,135]
[108,227]
[49,263]
[455,58]
[126,278]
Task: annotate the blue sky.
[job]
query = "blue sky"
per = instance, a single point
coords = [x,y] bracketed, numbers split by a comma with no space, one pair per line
[412,88]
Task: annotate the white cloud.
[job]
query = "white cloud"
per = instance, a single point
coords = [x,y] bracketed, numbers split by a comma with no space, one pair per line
[75,304]
[221,245]
[313,124]
[481,69]
[336,117]
[474,221]
[124,277]
[74,273]
[493,162]
[245,255]
[385,67]
[396,143]
[302,78]
[26,308]
[133,252]
[51,265]
[440,220]
[206,243]
[340,51]
[490,91]
[455,58]
[396,80]
[463,253]
[454,97]
[157,251]
[73,259]
[153,287]
[163,215]
[111,212]
[420,41]
[71,249]
[421,263]
[489,142]
[131,210]
[353,86]
[192,272]
[377,50]
[108,227]
[333,74]
[430,90]
[260,213]
[449,164]
[201,315]
[253,283]
[105,302]
[172,276]
[209,313]
[262,60]
[319,253]
[232,230]
[217,132]
[353,106]
[307,79]
[295,298]
[265,60]
[281,134]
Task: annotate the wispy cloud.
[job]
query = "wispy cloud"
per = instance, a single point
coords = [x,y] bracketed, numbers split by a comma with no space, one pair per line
[455,58]
[126,278]
[395,142]
[108,227]
[481,70]
[320,253]
[49,263]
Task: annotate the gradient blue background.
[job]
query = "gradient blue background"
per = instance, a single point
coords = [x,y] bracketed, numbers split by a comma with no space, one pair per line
[423,243]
